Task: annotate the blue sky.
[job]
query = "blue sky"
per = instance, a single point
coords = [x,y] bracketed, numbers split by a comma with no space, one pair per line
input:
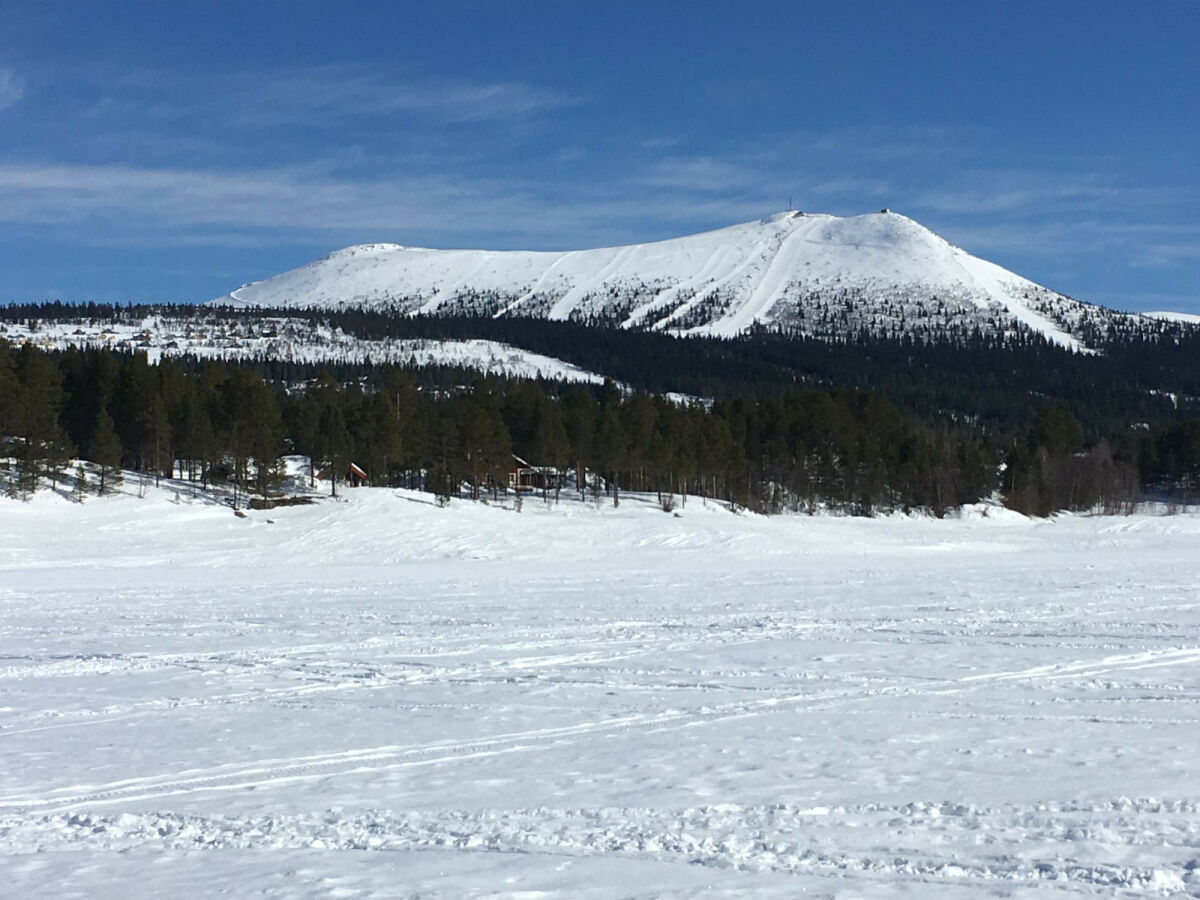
[172,151]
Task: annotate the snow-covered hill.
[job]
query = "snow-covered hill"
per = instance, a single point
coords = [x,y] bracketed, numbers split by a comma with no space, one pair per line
[1167,316]
[819,274]
[224,337]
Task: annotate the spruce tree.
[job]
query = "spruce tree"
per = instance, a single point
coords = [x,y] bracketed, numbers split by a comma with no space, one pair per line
[9,389]
[333,444]
[611,445]
[155,430]
[579,421]
[552,447]
[42,449]
[105,452]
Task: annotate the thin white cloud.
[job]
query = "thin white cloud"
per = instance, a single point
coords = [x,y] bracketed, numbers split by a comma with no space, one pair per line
[891,145]
[990,191]
[1168,255]
[765,178]
[849,186]
[321,96]
[12,89]
[698,173]
[1011,216]
[114,205]
[271,198]
[331,94]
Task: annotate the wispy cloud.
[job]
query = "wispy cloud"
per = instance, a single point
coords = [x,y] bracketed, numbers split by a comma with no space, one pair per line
[698,173]
[893,144]
[275,198]
[329,94]
[1054,226]
[765,176]
[320,96]
[115,205]
[1070,224]
[1168,254]
[999,190]
[12,88]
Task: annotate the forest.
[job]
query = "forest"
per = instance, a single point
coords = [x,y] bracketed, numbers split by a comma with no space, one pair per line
[803,443]
[1148,375]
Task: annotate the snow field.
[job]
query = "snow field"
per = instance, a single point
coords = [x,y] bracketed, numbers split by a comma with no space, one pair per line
[378,696]
[225,339]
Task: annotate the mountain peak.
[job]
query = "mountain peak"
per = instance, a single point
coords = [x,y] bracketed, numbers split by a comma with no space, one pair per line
[811,273]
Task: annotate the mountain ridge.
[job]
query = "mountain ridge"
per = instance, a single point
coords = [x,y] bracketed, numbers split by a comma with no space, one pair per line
[810,273]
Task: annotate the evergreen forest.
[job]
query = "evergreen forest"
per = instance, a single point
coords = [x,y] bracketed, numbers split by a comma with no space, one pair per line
[860,425]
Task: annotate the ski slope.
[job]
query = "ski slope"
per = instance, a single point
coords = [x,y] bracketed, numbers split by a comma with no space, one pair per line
[819,274]
[378,697]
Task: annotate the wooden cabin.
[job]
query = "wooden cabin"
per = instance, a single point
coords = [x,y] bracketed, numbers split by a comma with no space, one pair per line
[525,477]
[354,476]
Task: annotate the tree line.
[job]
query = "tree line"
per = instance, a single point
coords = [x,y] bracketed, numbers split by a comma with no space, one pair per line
[801,449]
[1147,371]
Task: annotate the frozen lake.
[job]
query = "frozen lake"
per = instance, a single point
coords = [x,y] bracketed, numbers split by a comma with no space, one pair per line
[379,697]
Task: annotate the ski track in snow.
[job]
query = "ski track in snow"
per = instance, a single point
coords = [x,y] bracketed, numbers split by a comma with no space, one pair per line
[775,275]
[765,838]
[740,706]
[277,771]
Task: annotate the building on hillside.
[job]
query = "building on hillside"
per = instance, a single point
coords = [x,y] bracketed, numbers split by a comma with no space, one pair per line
[524,476]
[354,475]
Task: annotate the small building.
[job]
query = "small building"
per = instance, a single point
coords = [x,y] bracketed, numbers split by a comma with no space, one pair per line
[523,476]
[354,475]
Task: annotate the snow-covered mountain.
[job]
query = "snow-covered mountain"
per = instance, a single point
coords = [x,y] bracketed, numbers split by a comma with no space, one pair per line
[818,274]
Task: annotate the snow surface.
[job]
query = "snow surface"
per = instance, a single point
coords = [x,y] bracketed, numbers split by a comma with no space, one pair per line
[752,272]
[287,339]
[1166,315]
[376,696]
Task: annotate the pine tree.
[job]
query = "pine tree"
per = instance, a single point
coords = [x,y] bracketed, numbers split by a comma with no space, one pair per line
[551,445]
[80,482]
[579,420]
[252,429]
[105,452]
[442,457]
[89,383]
[484,442]
[611,447]
[266,440]
[131,410]
[173,389]
[155,429]
[333,444]
[42,449]
[9,390]
[376,435]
